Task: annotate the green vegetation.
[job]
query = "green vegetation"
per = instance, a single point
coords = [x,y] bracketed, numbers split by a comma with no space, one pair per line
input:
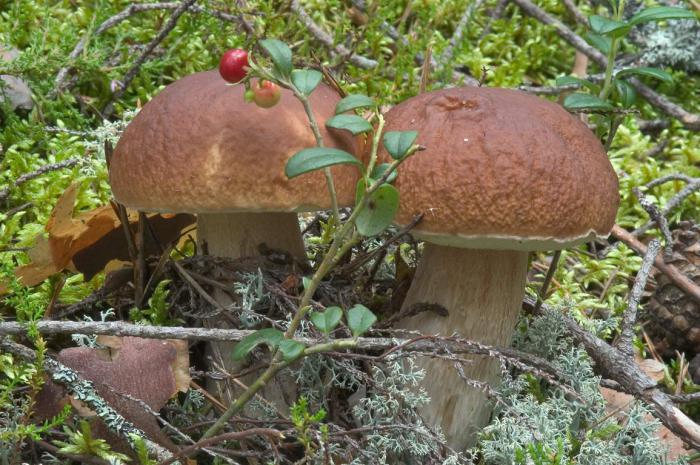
[66,126]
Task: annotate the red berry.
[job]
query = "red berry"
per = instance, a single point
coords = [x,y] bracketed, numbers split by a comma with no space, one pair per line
[234,65]
[266,94]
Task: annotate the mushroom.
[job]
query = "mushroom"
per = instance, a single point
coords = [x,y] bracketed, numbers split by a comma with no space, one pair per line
[504,173]
[198,147]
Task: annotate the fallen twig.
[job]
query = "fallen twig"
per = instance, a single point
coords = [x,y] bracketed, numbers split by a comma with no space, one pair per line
[69,163]
[658,217]
[60,81]
[624,344]
[459,30]
[679,279]
[692,187]
[133,71]
[623,370]
[327,40]
[232,436]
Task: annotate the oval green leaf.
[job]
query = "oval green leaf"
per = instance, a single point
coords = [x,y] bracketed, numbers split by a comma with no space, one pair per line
[661,13]
[600,42]
[269,336]
[327,320]
[655,73]
[573,80]
[379,170]
[608,27]
[579,101]
[280,54]
[316,158]
[352,123]
[352,102]
[306,80]
[379,212]
[625,92]
[397,143]
[291,349]
[360,319]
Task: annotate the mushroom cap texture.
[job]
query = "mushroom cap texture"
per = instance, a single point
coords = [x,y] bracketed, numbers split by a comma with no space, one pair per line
[198,147]
[502,170]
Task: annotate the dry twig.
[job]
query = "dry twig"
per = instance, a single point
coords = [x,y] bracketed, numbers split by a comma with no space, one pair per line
[678,278]
[624,344]
[60,83]
[133,71]
[69,163]
[327,40]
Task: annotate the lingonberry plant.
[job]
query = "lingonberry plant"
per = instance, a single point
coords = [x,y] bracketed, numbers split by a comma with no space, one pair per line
[376,204]
[233,65]
[266,94]
[606,35]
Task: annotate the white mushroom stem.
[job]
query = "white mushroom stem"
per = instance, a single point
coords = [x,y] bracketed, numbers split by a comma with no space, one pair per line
[237,235]
[482,290]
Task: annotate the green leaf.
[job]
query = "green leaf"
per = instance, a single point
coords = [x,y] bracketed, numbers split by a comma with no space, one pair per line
[379,212]
[269,336]
[379,170]
[660,13]
[326,321]
[655,73]
[397,143]
[352,102]
[291,349]
[306,80]
[600,42]
[360,319]
[579,101]
[316,158]
[625,92]
[353,123]
[608,27]
[280,54]
[571,80]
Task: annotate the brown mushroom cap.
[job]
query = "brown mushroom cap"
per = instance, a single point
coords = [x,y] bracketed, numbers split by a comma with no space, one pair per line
[502,170]
[198,147]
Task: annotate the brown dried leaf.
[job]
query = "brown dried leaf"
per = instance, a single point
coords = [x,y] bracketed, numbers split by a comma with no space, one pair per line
[620,402]
[88,242]
[126,372]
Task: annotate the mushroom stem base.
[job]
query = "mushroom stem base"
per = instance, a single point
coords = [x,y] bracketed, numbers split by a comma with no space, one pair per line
[240,234]
[482,290]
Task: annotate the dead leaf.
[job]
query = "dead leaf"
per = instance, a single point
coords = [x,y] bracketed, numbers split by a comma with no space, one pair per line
[620,402]
[126,372]
[88,242]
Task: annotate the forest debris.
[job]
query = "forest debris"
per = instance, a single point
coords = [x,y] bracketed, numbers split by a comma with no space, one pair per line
[88,242]
[135,376]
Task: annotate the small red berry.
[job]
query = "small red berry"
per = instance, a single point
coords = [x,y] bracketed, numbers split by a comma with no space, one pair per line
[266,94]
[234,65]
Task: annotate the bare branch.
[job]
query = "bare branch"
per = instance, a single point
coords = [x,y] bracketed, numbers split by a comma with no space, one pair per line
[692,187]
[69,163]
[134,70]
[131,10]
[679,279]
[624,344]
[658,218]
[459,30]
[327,40]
